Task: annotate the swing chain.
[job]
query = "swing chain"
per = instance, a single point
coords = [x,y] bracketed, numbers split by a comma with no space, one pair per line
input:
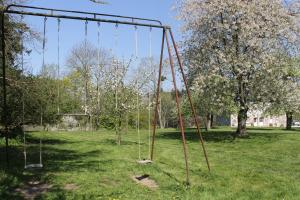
[21,30]
[44,33]
[22,67]
[98,41]
[116,38]
[86,68]
[58,64]
[22,41]
[86,29]
[150,45]
[136,41]
[44,41]
[58,44]
[58,22]
[149,93]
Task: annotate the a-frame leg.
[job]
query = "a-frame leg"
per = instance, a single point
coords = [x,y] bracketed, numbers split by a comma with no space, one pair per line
[157,94]
[179,111]
[190,99]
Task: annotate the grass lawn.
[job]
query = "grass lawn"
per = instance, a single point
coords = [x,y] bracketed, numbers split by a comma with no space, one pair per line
[264,166]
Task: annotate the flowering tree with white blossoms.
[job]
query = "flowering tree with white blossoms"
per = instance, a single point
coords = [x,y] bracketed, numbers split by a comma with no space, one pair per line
[234,41]
[285,94]
[117,96]
[283,82]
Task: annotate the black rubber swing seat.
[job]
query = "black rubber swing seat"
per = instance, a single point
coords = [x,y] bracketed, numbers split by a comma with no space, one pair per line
[34,166]
[144,162]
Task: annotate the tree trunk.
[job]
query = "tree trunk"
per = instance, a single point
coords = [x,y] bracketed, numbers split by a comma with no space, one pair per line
[208,121]
[161,123]
[119,130]
[98,105]
[164,121]
[204,122]
[41,117]
[243,88]
[242,119]
[211,120]
[243,93]
[127,121]
[289,120]
[90,123]
[86,97]
[119,137]
[98,96]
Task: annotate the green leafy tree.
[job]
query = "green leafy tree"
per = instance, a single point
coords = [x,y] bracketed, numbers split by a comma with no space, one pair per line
[15,32]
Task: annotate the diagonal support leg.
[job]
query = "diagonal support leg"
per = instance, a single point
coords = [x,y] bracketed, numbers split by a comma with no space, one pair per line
[179,111]
[157,93]
[190,99]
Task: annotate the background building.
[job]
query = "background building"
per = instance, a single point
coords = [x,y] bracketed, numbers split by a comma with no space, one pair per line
[257,118]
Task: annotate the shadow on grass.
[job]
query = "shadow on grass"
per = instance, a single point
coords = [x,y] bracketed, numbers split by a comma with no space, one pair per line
[225,135]
[61,160]
[192,135]
[113,142]
[55,160]
[7,187]
[46,141]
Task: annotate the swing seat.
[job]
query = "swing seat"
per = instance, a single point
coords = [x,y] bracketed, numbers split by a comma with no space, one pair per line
[144,162]
[33,166]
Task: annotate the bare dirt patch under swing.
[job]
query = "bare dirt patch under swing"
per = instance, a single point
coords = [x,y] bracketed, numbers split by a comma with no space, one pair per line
[33,189]
[145,180]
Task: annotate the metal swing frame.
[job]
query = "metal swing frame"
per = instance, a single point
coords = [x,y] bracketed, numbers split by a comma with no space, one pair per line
[113,19]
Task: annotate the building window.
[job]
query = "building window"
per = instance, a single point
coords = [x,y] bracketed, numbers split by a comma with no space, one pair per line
[255,119]
[261,119]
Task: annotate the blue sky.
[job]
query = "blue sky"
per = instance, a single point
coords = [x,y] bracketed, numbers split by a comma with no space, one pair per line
[72,32]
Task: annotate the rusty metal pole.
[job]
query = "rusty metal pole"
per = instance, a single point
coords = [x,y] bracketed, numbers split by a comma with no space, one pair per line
[190,99]
[4,117]
[158,92]
[179,111]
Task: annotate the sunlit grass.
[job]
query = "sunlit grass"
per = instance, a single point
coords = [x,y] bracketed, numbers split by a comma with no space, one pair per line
[264,166]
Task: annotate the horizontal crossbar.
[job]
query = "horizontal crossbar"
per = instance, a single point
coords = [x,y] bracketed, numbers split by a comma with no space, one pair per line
[94,18]
[52,10]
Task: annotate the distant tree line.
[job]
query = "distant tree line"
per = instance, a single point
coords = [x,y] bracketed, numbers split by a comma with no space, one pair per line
[97,84]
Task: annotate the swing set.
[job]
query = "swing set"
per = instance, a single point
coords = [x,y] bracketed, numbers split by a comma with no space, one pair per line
[60,14]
